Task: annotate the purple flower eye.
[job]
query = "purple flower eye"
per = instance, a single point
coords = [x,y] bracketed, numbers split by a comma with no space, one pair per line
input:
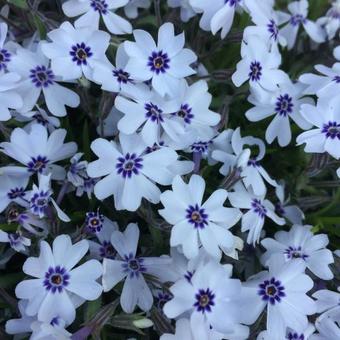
[197,216]
[159,62]
[42,76]
[56,279]
[154,113]
[133,265]
[204,300]
[255,71]
[259,208]
[331,130]
[271,290]
[297,19]
[37,164]
[284,105]
[94,221]
[122,76]
[16,193]
[295,253]
[185,113]
[5,57]
[128,165]
[273,29]
[80,53]
[99,6]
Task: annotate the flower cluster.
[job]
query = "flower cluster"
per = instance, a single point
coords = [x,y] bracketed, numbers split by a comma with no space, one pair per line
[141,154]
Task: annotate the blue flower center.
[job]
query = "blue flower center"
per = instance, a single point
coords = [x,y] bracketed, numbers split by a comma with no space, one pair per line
[271,291]
[56,279]
[204,300]
[129,165]
[255,71]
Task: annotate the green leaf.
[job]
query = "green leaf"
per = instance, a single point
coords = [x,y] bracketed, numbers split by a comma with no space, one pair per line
[40,27]
[92,308]
[18,3]
[10,280]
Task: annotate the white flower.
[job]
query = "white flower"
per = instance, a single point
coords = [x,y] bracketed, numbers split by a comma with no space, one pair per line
[131,8]
[282,292]
[165,63]
[37,151]
[330,22]
[15,240]
[23,324]
[290,334]
[193,111]
[5,54]
[196,223]
[259,66]
[132,268]
[75,51]
[326,136]
[152,115]
[54,330]
[92,10]
[104,248]
[327,328]
[9,96]
[187,11]
[211,299]
[300,243]
[30,222]
[130,173]
[326,85]
[291,212]
[38,116]
[328,302]
[285,104]
[56,282]
[251,170]
[40,197]
[298,17]
[258,209]
[267,22]
[217,15]
[116,79]
[36,78]
[12,189]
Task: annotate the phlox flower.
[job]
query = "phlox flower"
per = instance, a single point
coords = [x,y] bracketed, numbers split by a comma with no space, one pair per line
[282,291]
[258,208]
[290,212]
[9,96]
[37,151]
[326,136]
[131,8]
[196,223]
[285,104]
[132,268]
[327,329]
[56,282]
[217,15]
[116,79]
[331,21]
[210,299]
[5,54]
[164,63]
[92,11]
[152,115]
[259,66]
[300,243]
[40,197]
[298,17]
[16,241]
[130,172]
[267,22]
[36,78]
[326,84]
[187,12]
[251,171]
[12,189]
[75,51]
